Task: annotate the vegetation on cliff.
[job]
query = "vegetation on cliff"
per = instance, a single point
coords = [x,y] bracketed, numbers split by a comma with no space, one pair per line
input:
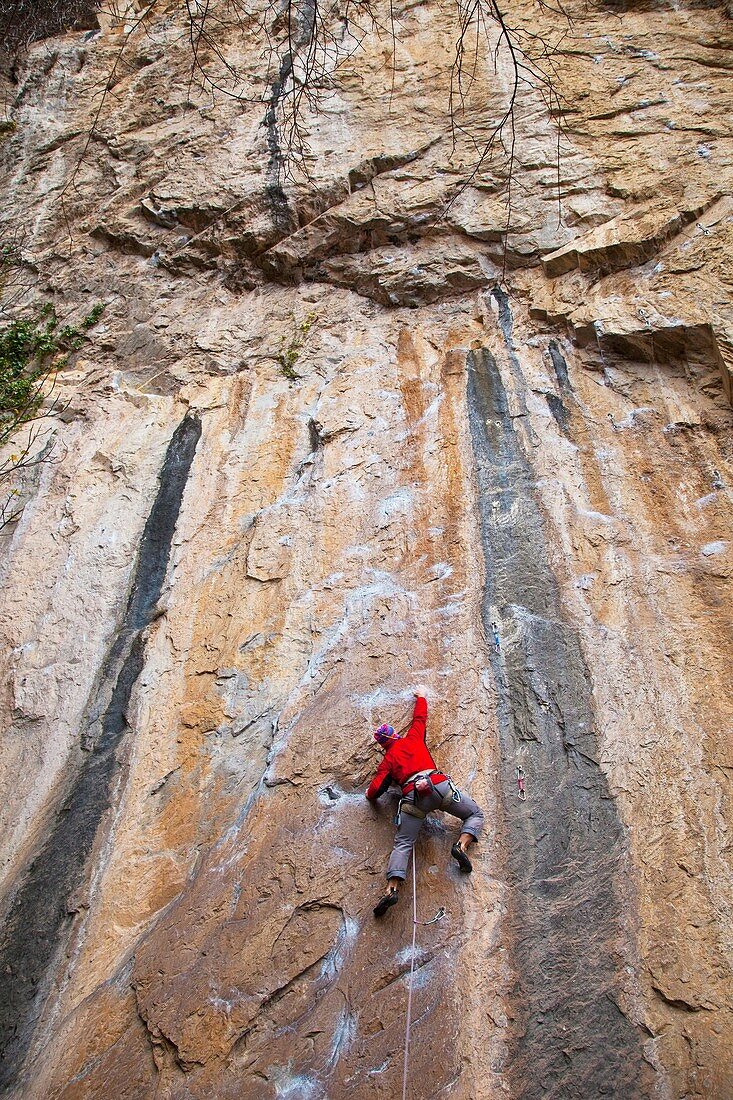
[32,350]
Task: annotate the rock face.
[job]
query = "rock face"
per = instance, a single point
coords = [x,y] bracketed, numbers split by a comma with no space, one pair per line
[335,435]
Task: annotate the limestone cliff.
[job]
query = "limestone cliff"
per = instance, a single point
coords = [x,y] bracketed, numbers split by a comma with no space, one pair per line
[337,433]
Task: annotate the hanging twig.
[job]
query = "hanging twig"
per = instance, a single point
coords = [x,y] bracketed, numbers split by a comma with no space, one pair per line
[305,43]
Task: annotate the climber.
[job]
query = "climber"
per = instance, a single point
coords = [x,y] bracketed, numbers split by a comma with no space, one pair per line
[408,762]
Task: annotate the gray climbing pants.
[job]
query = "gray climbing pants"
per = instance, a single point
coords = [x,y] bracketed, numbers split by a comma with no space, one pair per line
[407,831]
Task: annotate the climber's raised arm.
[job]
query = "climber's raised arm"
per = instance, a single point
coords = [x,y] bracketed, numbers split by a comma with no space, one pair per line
[419,715]
[393,764]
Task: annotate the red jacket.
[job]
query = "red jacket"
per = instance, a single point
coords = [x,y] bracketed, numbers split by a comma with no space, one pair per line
[404,757]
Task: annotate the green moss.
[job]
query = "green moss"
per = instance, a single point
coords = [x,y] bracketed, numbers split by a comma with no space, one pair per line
[290,349]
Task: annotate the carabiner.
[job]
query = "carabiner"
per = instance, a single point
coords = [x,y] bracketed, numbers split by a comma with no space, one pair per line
[520,783]
[438,916]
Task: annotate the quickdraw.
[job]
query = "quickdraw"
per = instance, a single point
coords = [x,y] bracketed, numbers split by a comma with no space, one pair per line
[438,916]
[520,783]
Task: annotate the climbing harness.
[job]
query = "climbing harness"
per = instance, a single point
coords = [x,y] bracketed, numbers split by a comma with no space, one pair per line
[438,916]
[408,803]
[424,786]
[520,783]
[422,782]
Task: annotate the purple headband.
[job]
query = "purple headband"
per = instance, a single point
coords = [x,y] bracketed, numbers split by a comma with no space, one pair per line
[385,734]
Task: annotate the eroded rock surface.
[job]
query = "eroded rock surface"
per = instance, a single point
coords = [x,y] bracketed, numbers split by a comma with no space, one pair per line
[335,435]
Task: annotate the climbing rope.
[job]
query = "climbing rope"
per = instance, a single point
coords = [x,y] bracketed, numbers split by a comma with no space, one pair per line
[438,916]
[409,988]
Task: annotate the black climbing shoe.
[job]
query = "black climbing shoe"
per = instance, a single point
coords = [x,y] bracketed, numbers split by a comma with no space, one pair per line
[461,858]
[390,898]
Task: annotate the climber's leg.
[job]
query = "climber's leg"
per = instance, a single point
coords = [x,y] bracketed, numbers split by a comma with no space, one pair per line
[404,842]
[472,818]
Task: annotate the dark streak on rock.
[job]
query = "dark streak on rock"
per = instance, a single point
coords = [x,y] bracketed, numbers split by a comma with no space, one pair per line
[560,366]
[559,412]
[565,842]
[314,435]
[276,197]
[499,295]
[304,25]
[39,920]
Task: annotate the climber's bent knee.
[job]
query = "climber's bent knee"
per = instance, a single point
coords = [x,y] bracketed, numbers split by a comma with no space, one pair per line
[470,814]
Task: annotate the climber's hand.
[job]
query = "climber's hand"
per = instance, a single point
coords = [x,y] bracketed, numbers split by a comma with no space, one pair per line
[420,691]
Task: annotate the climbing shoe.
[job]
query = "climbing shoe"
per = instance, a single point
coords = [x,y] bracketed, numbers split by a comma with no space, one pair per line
[390,898]
[461,858]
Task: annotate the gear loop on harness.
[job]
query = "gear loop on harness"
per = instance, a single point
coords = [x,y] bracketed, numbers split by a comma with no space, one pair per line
[407,806]
[455,795]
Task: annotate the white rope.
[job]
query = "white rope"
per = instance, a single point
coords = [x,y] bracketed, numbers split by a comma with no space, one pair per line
[412,971]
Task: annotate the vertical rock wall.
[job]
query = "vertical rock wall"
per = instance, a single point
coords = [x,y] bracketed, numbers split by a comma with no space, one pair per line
[566,845]
[501,466]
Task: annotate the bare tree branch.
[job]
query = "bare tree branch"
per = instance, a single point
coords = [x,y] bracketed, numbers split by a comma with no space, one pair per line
[304,43]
